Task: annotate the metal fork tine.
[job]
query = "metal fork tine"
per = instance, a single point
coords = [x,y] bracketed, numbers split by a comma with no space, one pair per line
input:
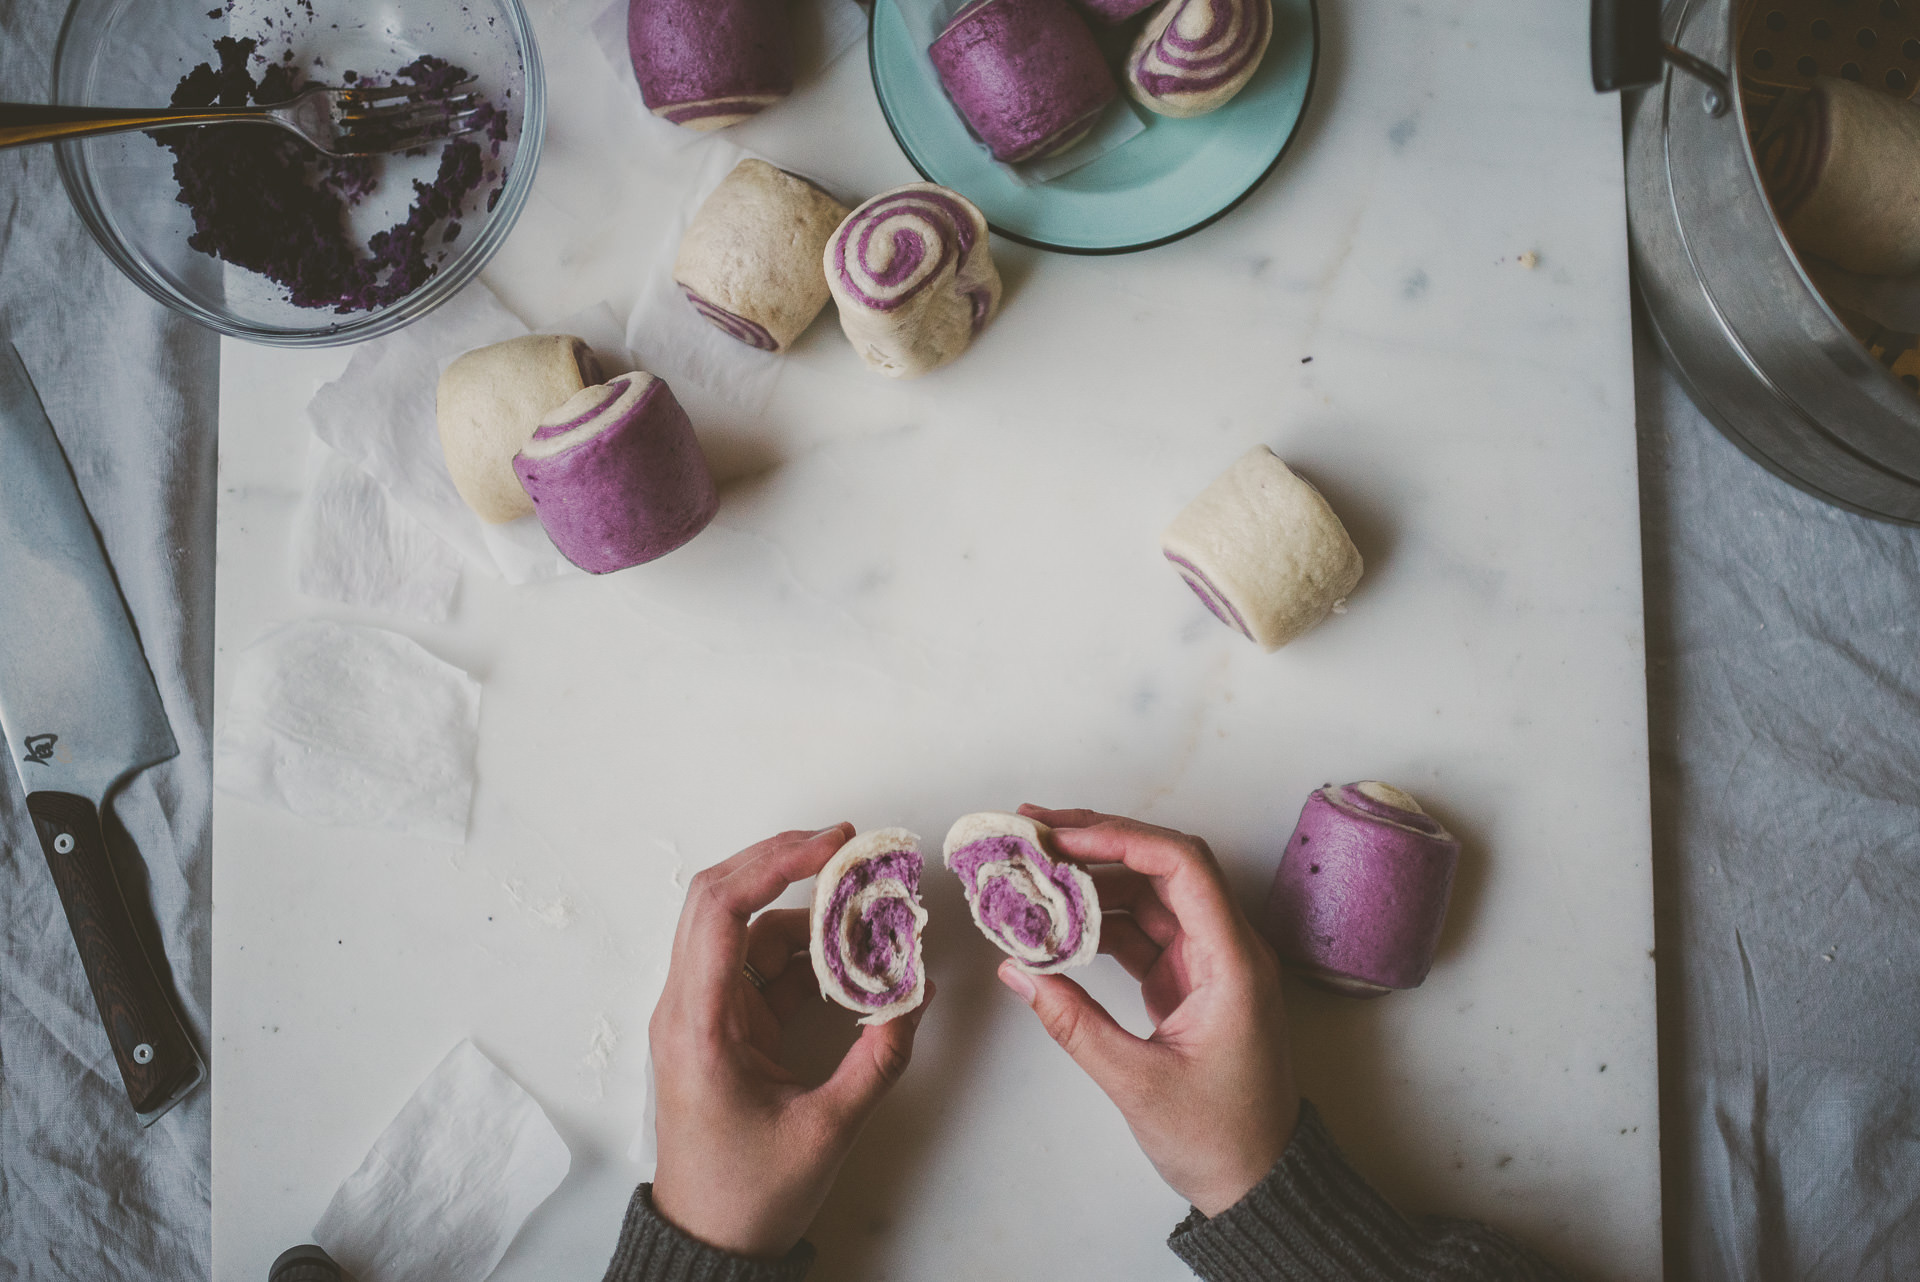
[397,117]
[357,94]
[364,142]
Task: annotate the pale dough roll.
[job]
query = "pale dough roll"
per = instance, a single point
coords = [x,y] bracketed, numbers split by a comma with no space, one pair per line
[1844,174]
[1263,551]
[866,923]
[912,277]
[1041,911]
[750,262]
[488,404]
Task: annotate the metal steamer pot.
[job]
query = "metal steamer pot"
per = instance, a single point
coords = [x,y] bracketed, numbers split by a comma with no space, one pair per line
[1761,351]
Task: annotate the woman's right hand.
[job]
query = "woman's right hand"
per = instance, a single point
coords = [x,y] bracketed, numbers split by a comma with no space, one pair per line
[1210,1095]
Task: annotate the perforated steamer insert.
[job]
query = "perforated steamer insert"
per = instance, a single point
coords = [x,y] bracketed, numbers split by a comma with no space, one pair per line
[1785,44]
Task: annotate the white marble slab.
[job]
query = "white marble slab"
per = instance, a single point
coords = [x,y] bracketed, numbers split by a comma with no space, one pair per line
[925,599]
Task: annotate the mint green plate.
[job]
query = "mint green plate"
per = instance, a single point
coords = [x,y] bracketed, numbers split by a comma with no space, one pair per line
[1168,182]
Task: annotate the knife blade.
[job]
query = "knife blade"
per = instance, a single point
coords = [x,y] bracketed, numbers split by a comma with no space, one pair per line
[80,713]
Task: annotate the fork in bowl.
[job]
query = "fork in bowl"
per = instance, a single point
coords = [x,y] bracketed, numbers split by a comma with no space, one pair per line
[337,122]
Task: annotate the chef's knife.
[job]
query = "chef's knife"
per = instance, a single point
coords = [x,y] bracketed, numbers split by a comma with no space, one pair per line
[80,714]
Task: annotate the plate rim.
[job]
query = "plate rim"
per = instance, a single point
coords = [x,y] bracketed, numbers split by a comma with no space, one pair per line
[1096,251]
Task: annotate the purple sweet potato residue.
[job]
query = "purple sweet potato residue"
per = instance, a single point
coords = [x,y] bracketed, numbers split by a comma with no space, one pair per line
[265,200]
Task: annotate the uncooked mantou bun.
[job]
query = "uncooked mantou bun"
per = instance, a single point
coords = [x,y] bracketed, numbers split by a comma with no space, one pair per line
[750,262]
[1263,551]
[1025,75]
[1193,56]
[1362,888]
[707,64]
[1844,174]
[913,278]
[866,925]
[617,476]
[488,403]
[1039,910]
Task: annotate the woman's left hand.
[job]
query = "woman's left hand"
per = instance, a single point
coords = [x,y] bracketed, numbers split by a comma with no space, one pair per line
[748,1152]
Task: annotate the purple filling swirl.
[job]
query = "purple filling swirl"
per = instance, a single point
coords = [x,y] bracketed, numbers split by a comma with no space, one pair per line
[883,936]
[1023,925]
[1210,596]
[899,245]
[737,327]
[1235,36]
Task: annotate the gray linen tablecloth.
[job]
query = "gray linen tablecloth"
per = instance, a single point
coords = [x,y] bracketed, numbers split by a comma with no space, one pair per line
[1784,675]
[132,392]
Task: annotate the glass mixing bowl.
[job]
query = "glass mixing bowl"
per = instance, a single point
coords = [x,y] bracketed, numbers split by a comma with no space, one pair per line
[120,53]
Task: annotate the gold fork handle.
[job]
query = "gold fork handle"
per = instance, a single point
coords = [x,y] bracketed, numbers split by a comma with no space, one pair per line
[22,123]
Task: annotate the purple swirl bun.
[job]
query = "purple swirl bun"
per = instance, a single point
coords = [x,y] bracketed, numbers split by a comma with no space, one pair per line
[616,476]
[1195,55]
[913,278]
[865,926]
[1025,75]
[1041,911]
[750,260]
[1362,888]
[707,64]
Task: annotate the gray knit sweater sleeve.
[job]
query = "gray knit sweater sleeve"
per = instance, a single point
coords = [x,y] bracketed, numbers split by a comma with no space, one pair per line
[652,1250]
[1314,1217]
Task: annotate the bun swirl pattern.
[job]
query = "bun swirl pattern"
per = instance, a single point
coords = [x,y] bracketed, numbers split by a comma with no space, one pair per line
[866,925]
[1193,56]
[1042,912]
[913,278]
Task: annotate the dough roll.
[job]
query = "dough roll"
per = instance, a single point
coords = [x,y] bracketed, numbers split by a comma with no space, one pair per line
[707,64]
[617,476]
[487,406]
[1025,75]
[1263,551]
[866,925]
[1193,56]
[1844,175]
[913,278]
[1362,889]
[750,261]
[1041,911]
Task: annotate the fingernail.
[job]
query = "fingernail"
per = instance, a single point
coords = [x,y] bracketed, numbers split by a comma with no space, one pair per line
[824,831]
[1018,980]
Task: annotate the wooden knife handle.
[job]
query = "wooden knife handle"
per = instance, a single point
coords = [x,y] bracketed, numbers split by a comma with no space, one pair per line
[154,1055]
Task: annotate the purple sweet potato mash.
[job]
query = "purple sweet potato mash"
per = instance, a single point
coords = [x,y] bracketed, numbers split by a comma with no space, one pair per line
[264,200]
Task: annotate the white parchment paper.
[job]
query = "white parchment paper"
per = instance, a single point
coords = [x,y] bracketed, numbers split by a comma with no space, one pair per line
[449,1182]
[352,726]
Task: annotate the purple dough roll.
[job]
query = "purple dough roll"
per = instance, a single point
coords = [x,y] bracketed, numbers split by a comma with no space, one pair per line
[616,476]
[1025,75]
[1116,11]
[1362,889]
[707,64]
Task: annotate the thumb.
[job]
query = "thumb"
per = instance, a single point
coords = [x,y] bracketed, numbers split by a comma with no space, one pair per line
[871,1066]
[1106,1052]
